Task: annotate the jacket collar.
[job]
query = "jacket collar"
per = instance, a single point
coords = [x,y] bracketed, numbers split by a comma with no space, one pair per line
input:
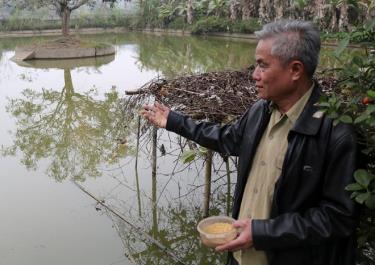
[309,122]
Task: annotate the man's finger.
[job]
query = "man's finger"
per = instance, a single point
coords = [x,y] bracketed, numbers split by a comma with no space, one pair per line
[159,106]
[234,244]
[149,108]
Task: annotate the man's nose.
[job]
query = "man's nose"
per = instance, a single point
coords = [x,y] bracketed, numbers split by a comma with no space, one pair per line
[255,75]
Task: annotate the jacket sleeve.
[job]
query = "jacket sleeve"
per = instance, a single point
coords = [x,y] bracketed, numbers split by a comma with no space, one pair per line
[224,139]
[334,217]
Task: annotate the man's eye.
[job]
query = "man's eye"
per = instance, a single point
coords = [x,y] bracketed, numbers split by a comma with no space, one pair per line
[262,65]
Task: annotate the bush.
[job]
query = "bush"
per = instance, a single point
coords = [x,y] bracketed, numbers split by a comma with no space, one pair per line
[211,24]
[216,24]
[355,104]
[246,26]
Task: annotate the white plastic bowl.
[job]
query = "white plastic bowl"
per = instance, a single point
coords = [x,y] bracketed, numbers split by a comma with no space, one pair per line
[216,239]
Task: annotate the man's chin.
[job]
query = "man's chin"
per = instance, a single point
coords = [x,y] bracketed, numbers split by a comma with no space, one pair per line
[263,95]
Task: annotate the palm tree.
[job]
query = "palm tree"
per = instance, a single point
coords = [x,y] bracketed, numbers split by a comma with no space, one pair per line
[234,9]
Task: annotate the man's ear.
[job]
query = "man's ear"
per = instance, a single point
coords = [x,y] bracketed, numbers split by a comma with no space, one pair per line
[297,69]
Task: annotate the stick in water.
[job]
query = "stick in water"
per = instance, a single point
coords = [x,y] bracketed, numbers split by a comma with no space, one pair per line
[150,238]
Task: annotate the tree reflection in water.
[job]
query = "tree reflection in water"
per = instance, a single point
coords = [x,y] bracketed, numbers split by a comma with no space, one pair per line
[173,206]
[73,130]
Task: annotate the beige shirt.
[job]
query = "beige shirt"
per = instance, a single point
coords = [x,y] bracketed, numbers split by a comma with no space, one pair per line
[265,170]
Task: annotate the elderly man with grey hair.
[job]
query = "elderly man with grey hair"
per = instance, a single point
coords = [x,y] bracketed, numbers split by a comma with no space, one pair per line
[290,200]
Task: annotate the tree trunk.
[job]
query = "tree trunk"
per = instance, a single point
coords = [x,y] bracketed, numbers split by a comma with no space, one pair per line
[233,6]
[65,20]
[266,11]
[343,19]
[334,19]
[318,8]
[279,8]
[250,8]
[189,12]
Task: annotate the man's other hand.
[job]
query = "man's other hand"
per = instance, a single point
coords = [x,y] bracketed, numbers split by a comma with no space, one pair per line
[157,114]
[244,239]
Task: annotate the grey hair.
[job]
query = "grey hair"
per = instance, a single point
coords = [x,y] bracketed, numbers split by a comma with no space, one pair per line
[293,40]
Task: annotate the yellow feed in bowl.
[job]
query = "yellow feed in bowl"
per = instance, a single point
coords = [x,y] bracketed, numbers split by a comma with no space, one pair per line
[218,228]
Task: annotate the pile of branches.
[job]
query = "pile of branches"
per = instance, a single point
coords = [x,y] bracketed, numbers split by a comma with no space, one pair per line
[214,96]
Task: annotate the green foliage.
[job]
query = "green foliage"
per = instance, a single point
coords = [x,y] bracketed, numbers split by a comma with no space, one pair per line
[216,24]
[218,7]
[103,18]
[191,154]
[210,24]
[355,104]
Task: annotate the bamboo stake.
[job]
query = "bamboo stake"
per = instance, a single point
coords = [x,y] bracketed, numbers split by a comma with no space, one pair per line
[165,249]
[136,169]
[228,184]
[207,184]
[153,177]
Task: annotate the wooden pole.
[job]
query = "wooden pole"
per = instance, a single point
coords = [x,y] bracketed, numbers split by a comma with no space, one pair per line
[154,183]
[136,169]
[207,184]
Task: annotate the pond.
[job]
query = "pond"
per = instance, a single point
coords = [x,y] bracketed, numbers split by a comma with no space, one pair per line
[71,120]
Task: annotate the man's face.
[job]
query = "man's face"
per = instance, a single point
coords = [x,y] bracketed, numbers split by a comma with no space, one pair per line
[272,79]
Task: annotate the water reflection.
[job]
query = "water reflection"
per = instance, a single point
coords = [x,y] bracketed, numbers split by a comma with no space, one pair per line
[172,207]
[75,131]
[173,197]
[187,55]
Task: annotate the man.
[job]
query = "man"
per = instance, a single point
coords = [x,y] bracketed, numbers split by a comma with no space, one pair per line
[290,198]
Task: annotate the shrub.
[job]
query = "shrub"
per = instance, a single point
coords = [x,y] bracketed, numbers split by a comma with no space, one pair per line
[246,26]
[355,104]
[211,24]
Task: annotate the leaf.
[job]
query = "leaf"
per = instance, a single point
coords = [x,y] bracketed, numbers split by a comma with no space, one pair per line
[188,156]
[354,194]
[357,60]
[342,45]
[370,109]
[361,118]
[324,104]
[362,197]
[371,93]
[203,150]
[362,240]
[370,202]
[370,25]
[367,151]
[346,119]
[335,122]
[353,187]
[362,177]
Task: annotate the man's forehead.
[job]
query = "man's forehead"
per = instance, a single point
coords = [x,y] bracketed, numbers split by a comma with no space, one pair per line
[263,48]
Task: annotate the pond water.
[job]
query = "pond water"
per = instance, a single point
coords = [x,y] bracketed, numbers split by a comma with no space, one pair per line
[70,120]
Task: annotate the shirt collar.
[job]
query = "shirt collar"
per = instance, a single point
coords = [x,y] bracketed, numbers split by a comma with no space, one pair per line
[295,111]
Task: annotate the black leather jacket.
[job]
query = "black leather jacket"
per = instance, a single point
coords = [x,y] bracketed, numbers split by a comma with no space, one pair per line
[313,218]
